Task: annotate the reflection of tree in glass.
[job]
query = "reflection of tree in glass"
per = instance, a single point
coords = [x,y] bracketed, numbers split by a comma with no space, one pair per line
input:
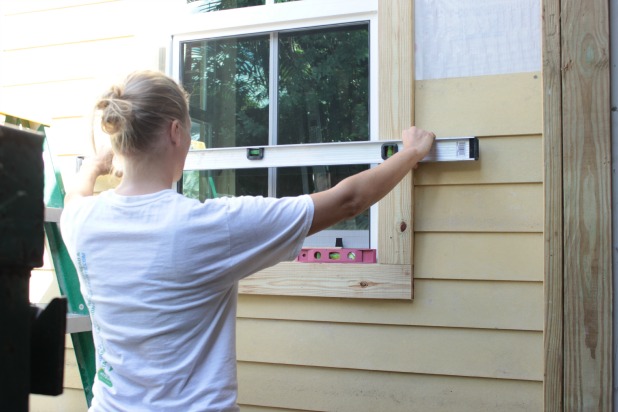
[216,5]
[228,82]
[324,85]
[323,96]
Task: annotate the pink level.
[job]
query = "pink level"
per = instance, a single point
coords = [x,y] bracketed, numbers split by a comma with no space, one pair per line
[337,255]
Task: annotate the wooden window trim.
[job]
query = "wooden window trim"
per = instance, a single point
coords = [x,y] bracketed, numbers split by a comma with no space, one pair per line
[392,277]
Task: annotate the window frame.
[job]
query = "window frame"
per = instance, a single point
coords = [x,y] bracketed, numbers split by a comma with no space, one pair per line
[391,232]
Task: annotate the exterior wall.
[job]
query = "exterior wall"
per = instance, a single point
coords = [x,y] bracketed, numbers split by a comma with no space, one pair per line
[472,338]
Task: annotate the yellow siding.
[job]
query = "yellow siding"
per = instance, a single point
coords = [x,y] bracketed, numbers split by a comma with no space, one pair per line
[506,159]
[330,389]
[480,256]
[500,105]
[72,400]
[479,208]
[443,303]
[500,354]
[472,338]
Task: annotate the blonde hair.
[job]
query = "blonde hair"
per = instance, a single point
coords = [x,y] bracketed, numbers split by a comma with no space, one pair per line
[135,112]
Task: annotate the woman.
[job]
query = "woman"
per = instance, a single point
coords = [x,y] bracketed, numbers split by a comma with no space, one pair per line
[159,271]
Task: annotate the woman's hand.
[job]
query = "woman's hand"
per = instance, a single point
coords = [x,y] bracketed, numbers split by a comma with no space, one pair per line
[419,140]
[102,161]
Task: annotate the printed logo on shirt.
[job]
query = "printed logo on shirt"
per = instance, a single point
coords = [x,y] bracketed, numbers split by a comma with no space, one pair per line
[104,377]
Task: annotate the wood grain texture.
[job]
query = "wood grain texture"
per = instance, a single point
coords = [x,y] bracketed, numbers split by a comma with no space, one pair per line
[395,111]
[498,354]
[500,105]
[437,303]
[553,263]
[396,67]
[507,159]
[481,208]
[327,389]
[368,281]
[587,205]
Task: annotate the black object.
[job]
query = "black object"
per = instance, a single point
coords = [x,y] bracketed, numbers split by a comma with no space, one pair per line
[255,153]
[31,342]
[389,149]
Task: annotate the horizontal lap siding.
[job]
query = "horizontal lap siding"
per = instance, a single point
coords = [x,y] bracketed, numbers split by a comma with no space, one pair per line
[72,400]
[329,389]
[472,337]
[58,56]
[502,354]
[442,303]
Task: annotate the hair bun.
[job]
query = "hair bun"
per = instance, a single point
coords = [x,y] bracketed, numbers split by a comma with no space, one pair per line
[116,91]
[137,111]
[116,112]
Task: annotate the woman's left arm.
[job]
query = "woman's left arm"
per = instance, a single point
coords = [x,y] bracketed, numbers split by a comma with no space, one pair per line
[92,167]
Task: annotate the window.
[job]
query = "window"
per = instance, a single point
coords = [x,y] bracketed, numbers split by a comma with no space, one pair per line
[295,73]
[318,82]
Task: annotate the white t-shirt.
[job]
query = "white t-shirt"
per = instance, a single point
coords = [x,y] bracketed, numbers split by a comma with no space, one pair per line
[159,274]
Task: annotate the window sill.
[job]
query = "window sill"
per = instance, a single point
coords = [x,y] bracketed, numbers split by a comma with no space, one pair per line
[349,280]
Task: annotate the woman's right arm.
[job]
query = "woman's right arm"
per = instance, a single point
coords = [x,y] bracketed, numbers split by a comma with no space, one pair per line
[357,193]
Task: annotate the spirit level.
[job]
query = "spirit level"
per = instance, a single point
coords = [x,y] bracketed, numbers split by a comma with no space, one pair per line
[448,149]
[337,255]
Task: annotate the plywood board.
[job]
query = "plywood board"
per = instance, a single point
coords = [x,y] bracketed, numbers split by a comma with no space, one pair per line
[330,389]
[443,351]
[444,303]
[508,159]
[479,208]
[500,105]
[367,281]
[488,256]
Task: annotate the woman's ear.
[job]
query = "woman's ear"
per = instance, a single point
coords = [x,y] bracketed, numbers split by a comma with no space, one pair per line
[176,132]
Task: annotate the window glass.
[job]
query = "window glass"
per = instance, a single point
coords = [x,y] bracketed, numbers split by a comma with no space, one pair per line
[323,96]
[293,181]
[322,86]
[228,83]
[216,5]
